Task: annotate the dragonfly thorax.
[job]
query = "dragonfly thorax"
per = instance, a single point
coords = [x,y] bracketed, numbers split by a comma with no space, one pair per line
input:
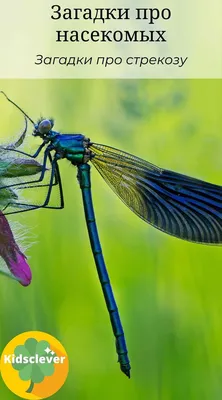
[72,146]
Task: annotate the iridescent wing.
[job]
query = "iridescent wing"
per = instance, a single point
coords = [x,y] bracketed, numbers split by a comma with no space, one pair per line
[177,204]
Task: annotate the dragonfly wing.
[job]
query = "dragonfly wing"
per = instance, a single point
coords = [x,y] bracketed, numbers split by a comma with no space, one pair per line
[177,204]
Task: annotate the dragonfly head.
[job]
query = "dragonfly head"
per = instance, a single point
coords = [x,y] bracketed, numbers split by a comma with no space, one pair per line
[43,128]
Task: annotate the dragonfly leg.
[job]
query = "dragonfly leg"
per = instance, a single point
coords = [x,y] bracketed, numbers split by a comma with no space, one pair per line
[44,169]
[24,153]
[85,185]
[54,172]
[56,182]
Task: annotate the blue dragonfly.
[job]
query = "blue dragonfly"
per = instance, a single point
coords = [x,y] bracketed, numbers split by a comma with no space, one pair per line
[179,205]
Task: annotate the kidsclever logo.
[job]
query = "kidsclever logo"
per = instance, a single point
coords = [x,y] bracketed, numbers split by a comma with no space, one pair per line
[34,365]
[32,362]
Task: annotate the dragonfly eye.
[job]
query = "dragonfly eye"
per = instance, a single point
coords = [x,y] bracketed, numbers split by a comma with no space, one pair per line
[45,126]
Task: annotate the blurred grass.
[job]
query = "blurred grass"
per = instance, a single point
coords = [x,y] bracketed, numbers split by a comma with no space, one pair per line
[168,291]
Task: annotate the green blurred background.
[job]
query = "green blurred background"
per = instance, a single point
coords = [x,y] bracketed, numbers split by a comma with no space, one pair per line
[168,291]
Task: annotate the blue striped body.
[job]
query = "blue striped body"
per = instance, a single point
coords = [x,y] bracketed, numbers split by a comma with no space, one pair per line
[85,185]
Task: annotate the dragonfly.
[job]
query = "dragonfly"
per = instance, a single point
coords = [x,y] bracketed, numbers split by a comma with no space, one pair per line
[179,205]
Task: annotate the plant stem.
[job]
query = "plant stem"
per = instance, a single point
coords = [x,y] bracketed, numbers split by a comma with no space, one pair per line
[30,389]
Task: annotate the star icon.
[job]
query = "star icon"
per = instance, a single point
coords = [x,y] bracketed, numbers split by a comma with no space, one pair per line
[47,350]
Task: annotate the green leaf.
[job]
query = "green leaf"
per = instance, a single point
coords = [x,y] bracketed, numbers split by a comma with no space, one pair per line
[20,140]
[41,346]
[7,195]
[18,167]
[47,369]
[26,373]
[31,345]
[17,367]
[21,349]
[37,375]
[3,166]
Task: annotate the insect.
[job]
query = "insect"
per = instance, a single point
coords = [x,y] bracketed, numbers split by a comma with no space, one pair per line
[179,205]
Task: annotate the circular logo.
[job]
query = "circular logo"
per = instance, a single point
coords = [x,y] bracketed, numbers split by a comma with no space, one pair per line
[34,365]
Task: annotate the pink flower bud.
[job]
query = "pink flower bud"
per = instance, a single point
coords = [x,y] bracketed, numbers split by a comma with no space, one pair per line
[12,255]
